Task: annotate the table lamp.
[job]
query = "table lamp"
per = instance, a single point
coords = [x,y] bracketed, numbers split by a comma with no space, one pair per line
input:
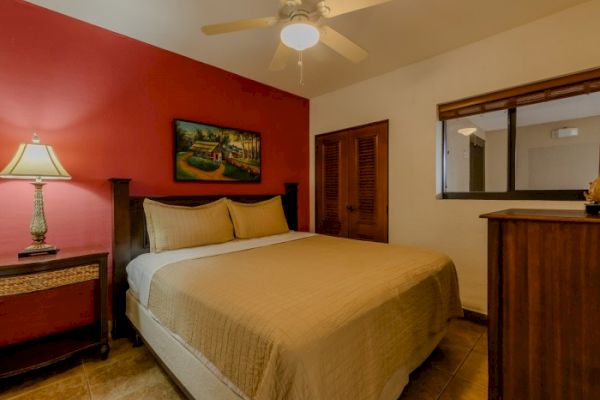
[36,161]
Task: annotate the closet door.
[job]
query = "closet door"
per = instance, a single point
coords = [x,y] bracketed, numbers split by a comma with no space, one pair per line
[368,182]
[331,185]
[352,183]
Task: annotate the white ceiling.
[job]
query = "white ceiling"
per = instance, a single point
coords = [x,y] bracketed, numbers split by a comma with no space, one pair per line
[395,34]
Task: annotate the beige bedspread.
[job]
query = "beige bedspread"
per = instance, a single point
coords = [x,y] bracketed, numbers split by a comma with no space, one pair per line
[316,318]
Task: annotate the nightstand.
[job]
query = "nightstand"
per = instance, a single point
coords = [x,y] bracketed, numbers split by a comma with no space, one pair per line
[51,308]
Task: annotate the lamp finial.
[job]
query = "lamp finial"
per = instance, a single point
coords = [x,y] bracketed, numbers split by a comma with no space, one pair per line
[36,138]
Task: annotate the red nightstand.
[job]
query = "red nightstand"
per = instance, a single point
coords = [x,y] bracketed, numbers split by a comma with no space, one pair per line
[51,308]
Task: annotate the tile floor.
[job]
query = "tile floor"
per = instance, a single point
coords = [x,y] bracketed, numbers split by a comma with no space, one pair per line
[457,369]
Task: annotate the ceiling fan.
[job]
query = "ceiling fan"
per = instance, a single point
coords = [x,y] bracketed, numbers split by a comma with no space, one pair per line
[301,31]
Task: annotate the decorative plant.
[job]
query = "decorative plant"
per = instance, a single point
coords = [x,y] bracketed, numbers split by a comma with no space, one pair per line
[593,194]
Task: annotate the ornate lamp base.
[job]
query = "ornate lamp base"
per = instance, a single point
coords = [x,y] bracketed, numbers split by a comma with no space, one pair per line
[38,226]
[38,250]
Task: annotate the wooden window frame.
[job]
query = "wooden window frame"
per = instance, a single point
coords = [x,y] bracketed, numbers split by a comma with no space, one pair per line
[509,99]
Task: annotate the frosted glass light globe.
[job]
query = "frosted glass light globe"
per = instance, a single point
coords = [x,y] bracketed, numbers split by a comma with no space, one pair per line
[300,36]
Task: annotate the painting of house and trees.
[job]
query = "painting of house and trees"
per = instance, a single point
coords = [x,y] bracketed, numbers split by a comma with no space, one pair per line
[216,154]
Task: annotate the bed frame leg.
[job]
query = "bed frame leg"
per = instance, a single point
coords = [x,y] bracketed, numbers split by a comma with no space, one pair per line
[104,350]
[137,340]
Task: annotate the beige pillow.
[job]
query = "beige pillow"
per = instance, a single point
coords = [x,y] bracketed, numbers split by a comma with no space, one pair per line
[252,220]
[175,227]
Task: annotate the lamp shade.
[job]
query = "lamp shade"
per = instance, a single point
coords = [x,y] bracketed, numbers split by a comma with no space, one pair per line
[35,160]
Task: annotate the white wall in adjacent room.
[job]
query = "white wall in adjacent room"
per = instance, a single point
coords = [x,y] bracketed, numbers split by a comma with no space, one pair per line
[545,162]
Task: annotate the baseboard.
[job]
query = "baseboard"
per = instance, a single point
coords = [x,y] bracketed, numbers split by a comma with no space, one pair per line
[475,316]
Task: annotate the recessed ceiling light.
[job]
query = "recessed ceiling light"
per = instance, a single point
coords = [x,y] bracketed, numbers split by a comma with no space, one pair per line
[467,131]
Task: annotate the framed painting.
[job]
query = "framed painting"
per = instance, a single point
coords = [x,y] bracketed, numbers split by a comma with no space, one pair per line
[210,153]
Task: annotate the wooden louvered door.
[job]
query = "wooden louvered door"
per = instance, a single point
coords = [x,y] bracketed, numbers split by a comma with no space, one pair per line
[332,190]
[352,183]
[368,183]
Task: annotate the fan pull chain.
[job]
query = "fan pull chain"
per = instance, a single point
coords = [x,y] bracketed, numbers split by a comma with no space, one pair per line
[301,66]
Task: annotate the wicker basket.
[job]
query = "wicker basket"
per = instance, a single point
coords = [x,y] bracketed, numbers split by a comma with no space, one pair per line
[47,280]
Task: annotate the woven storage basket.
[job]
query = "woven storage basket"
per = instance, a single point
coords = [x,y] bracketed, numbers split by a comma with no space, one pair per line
[47,280]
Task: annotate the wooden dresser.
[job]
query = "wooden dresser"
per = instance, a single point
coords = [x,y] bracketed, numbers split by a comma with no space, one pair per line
[544,305]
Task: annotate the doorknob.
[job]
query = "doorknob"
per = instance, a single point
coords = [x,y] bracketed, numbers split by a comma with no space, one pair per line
[350,208]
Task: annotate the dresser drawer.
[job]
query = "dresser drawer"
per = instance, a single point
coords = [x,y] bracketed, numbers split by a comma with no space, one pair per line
[40,313]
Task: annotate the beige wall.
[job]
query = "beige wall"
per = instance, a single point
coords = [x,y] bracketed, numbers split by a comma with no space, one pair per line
[568,163]
[556,45]
[544,162]
[496,161]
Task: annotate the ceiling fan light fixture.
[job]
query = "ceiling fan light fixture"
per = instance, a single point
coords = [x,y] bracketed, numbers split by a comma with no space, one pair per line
[323,8]
[300,36]
[467,131]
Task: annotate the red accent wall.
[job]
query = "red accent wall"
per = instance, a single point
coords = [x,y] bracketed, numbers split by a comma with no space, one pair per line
[106,103]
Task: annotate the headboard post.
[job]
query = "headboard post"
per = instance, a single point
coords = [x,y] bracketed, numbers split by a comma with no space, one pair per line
[290,204]
[121,253]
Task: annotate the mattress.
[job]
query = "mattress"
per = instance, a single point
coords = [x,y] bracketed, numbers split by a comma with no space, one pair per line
[309,318]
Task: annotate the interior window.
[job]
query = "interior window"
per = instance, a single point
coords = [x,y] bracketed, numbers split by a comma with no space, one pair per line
[476,153]
[539,141]
[558,144]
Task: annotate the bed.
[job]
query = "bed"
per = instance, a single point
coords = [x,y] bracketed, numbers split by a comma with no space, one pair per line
[292,316]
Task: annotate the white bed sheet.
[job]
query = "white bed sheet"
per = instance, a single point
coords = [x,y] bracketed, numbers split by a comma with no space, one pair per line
[142,268]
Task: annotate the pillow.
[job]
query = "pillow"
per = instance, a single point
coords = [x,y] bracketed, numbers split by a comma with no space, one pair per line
[252,220]
[175,227]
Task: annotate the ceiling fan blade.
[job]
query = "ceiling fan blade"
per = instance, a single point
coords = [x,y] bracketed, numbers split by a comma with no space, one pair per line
[342,45]
[338,7]
[280,58]
[234,26]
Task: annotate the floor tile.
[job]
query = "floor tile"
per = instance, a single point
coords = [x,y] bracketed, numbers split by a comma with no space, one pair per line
[482,345]
[118,350]
[124,375]
[73,388]
[460,389]
[11,387]
[426,383]
[475,369]
[464,333]
[449,355]
[163,389]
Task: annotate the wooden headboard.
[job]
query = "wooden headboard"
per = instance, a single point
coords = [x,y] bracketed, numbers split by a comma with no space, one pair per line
[130,237]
